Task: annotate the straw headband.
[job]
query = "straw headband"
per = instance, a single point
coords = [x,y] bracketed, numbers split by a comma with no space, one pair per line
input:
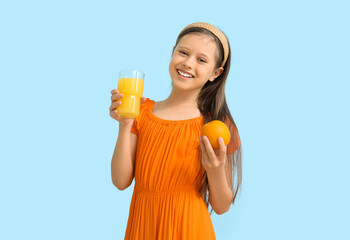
[214,30]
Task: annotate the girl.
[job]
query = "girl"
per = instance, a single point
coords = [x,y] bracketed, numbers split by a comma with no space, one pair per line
[177,172]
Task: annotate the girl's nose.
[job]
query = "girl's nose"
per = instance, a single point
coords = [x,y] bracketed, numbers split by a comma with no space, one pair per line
[188,63]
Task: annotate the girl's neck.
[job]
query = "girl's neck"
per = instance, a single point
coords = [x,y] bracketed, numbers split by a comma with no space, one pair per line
[178,106]
[181,99]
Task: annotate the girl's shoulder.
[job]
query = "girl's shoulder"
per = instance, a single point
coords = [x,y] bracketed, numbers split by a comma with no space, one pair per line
[148,104]
[145,108]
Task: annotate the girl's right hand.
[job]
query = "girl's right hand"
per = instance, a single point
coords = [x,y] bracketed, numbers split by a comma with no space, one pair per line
[115,102]
[116,96]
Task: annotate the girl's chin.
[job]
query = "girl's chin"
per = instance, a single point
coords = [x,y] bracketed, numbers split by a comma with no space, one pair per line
[185,87]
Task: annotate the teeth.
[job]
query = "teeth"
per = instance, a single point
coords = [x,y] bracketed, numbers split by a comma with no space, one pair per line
[185,74]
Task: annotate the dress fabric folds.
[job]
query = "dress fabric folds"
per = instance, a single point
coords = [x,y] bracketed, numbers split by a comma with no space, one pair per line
[166,203]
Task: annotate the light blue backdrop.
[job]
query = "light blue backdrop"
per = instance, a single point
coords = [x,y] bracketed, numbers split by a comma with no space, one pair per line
[288,91]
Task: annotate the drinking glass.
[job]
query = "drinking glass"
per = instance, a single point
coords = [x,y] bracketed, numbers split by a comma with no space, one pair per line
[130,83]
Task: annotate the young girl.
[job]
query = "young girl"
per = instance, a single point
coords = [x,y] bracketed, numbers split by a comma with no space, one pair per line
[177,173]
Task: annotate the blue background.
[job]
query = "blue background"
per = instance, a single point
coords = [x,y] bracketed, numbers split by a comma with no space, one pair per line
[288,91]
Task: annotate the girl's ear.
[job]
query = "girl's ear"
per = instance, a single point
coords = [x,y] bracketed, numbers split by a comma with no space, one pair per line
[216,74]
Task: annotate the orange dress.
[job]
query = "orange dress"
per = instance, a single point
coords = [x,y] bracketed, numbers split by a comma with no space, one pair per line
[166,203]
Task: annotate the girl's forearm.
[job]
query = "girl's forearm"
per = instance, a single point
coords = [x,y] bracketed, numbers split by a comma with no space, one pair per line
[220,193]
[122,168]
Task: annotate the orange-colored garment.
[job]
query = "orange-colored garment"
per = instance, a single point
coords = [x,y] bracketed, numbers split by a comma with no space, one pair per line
[166,203]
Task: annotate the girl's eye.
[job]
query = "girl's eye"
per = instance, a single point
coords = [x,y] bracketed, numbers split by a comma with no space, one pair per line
[183,52]
[202,60]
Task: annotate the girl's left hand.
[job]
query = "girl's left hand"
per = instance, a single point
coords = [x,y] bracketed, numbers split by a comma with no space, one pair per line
[212,160]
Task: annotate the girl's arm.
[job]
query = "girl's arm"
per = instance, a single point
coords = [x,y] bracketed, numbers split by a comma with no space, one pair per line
[220,191]
[123,160]
[219,176]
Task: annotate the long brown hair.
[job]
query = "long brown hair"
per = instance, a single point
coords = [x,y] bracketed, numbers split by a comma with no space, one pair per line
[213,106]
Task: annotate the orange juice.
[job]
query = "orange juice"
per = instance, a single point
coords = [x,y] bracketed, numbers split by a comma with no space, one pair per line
[132,89]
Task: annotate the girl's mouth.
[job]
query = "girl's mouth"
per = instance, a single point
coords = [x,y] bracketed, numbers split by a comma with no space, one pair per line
[184,75]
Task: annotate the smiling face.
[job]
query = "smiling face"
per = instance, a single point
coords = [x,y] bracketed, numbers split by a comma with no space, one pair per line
[193,62]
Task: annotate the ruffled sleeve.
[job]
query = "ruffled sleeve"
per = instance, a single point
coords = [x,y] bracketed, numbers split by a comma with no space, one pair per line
[138,121]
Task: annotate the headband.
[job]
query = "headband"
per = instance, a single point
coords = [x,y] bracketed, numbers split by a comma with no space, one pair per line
[214,30]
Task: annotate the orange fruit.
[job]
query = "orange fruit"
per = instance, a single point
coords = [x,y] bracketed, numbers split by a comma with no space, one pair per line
[215,129]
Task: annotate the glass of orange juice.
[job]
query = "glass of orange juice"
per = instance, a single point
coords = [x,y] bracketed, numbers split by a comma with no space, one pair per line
[130,83]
